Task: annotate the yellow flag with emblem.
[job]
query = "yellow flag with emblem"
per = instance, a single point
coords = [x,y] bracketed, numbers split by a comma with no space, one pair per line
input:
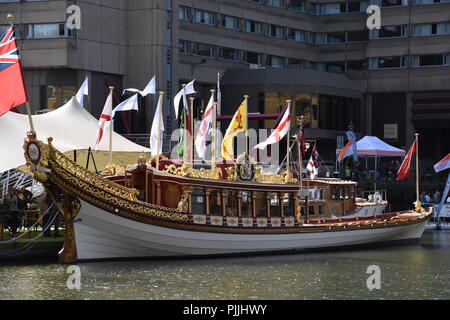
[238,124]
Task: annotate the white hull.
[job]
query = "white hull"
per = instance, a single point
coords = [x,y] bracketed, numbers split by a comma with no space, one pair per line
[102,235]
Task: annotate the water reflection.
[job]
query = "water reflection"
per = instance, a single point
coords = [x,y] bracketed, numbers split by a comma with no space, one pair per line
[408,272]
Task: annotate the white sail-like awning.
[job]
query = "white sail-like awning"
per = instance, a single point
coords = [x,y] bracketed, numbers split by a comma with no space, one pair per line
[71,127]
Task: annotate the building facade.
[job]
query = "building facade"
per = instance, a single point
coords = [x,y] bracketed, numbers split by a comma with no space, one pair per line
[389,82]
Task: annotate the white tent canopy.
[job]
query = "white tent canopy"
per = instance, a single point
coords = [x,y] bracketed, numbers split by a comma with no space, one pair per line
[373,146]
[71,127]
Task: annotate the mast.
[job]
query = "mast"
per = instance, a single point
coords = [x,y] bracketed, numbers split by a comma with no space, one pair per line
[158,143]
[10,18]
[111,89]
[417,171]
[288,158]
[300,157]
[191,135]
[213,135]
[246,124]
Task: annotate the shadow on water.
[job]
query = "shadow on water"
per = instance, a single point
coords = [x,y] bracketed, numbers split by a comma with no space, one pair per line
[418,271]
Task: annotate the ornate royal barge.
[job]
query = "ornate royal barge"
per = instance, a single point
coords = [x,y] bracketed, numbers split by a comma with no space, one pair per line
[179,211]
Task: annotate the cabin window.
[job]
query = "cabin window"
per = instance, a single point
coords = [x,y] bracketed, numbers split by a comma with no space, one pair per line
[334,193]
[215,203]
[288,205]
[198,201]
[231,204]
[274,205]
[261,203]
[321,210]
[246,204]
[311,211]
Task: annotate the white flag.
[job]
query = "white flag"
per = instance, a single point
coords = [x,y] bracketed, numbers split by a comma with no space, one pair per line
[200,140]
[127,105]
[104,118]
[158,123]
[149,89]
[189,89]
[279,133]
[84,90]
[312,168]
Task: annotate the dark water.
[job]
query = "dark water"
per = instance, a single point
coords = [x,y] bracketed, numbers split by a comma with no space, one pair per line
[407,272]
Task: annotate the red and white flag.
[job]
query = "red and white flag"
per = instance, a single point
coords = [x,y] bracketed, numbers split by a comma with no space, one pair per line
[12,86]
[279,133]
[443,164]
[313,163]
[200,140]
[405,169]
[104,118]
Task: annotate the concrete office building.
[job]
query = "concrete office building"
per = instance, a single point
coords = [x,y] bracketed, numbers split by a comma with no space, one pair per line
[390,82]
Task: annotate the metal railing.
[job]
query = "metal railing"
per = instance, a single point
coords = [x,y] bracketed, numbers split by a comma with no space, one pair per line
[376,196]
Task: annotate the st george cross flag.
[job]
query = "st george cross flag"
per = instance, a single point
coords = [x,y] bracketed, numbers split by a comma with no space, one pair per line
[313,163]
[404,171]
[105,117]
[131,103]
[443,164]
[149,89]
[158,123]
[200,140]
[83,91]
[12,86]
[189,89]
[279,133]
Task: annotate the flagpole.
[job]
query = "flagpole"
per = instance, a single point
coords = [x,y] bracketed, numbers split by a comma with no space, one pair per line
[288,158]
[417,172]
[111,89]
[191,136]
[213,135]
[158,143]
[185,157]
[10,18]
[246,124]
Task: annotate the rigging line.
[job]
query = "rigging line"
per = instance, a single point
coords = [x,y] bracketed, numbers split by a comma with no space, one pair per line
[29,229]
[30,245]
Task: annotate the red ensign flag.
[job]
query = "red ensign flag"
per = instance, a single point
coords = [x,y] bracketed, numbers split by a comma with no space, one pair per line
[12,87]
[404,171]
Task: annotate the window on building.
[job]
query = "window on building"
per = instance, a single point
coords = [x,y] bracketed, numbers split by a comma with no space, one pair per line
[387,62]
[431,60]
[48,30]
[252,27]
[274,62]
[204,17]
[337,66]
[184,13]
[57,96]
[275,3]
[357,6]
[228,22]
[5,28]
[336,37]
[275,31]
[203,49]
[184,47]
[429,1]
[354,65]
[428,29]
[356,36]
[228,54]
[296,63]
[318,38]
[329,8]
[389,32]
[298,5]
[297,35]
[252,57]
[391,3]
